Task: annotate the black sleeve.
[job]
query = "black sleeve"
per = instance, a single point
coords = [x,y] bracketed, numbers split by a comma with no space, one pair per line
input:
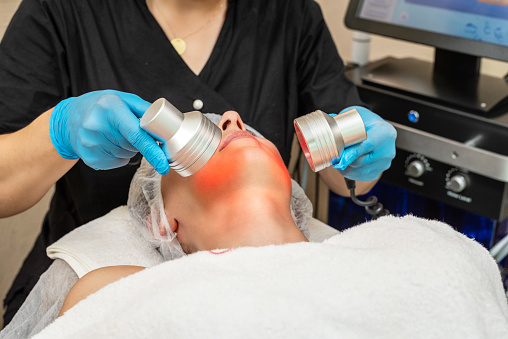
[33,75]
[322,83]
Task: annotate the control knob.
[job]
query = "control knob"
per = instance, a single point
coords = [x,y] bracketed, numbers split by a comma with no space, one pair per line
[415,168]
[457,183]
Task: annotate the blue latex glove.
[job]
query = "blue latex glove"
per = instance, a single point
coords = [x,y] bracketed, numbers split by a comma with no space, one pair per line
[367,160]
[102,128]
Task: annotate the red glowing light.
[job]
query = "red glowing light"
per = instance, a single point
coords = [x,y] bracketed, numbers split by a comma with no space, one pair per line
[303,144]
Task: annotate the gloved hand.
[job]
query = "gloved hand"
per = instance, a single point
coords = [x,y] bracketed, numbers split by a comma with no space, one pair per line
[102,128]
[367,160]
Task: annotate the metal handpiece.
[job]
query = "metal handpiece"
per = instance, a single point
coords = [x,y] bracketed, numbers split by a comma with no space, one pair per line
[323,138]
[188,139]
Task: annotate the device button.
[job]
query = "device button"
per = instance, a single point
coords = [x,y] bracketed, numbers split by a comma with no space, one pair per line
[197,104]
[413,116]
[457,183]
[415,169]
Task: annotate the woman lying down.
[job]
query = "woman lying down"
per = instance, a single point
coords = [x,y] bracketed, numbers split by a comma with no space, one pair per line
[247,269]
[240,198]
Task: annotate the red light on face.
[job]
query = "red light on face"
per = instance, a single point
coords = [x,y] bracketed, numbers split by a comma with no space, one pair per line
[245,163]
[211,178]
[303,144]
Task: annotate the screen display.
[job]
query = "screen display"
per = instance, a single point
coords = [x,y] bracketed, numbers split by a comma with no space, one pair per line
[479,20]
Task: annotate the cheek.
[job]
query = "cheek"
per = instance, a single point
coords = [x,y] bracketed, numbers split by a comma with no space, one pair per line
[236,168]
[210,177]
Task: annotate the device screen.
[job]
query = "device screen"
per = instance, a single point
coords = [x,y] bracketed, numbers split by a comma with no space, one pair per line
[480,20]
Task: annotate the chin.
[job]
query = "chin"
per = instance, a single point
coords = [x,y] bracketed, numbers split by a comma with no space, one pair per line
[241,167]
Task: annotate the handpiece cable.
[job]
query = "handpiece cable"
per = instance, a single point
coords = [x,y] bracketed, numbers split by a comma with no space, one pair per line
[372,206]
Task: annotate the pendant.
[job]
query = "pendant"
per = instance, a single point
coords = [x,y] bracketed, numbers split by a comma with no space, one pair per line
[179,45]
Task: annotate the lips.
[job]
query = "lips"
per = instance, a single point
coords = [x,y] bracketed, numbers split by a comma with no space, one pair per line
[234,136]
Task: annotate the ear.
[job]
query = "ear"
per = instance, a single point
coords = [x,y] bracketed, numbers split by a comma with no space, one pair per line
[173,224]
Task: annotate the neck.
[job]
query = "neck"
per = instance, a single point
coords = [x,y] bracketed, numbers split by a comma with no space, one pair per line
[250,222]
[192,26]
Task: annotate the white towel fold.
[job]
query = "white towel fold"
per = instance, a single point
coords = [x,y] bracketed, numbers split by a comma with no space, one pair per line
[391,278]
[107,241]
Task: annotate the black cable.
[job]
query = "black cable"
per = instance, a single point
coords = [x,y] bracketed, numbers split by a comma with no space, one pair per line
[372,207]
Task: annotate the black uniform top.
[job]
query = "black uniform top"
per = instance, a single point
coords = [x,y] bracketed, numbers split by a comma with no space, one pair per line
[274,60]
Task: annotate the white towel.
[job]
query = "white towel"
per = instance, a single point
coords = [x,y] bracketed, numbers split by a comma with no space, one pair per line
[391,278]
[107,241]
[113,240]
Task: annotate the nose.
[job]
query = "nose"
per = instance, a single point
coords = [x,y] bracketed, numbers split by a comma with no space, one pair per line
[231,121]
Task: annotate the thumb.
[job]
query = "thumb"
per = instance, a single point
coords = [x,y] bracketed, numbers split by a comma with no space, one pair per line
[152,153]
[129,128]
[350,154]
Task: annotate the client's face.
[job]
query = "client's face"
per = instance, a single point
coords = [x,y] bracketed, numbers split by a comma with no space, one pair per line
[244,171]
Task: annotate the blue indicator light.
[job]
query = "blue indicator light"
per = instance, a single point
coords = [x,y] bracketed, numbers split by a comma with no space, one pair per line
[413,116]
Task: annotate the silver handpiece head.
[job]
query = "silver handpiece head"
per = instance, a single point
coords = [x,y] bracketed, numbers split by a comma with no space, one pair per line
[188,139]
[323,138]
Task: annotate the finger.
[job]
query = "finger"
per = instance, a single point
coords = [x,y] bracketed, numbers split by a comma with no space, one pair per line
[109,142]
[150,150]
[117,139]
[363,161]
[366,169]
[352,153]
[117,152]
[146,145]
[128,126]
[154,155]
[119,118]
[137,105]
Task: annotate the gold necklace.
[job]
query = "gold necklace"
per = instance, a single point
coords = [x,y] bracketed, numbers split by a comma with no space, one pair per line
[179,43]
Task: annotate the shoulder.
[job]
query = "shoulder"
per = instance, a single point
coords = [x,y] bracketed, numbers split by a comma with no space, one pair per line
[94,281]
[56,3]
[79,6]
[70,18]
[57,9]
[293,15]
[75,3]
[283,7]
[107,275]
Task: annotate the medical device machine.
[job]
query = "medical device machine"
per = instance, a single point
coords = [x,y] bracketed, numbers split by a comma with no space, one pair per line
[451,118]
[323,138]
[462,32]
[188,139]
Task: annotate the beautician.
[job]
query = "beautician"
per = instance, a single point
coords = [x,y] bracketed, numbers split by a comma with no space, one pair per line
[76,74]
